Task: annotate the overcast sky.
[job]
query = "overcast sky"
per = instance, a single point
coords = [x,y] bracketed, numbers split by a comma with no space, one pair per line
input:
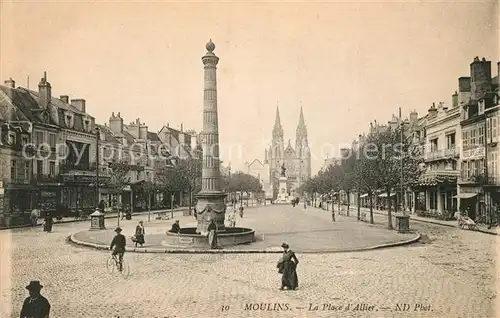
[347,63]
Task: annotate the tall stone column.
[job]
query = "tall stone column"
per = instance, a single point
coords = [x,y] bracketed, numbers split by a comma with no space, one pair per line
[211,198]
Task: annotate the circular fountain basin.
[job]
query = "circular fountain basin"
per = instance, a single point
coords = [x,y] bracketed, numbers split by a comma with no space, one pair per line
[190,239]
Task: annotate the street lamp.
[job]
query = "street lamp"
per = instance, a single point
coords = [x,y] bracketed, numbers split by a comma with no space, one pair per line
[97,218]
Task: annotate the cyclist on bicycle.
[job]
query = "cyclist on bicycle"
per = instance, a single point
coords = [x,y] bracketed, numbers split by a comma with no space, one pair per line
[118,243]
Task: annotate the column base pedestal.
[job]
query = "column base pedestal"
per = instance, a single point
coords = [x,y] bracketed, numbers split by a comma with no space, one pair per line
[403,223]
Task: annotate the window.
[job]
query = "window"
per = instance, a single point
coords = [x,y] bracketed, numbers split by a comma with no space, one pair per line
[480,138]
[434,144]
[494,129]
[472,137]
[39,167]
[494,166]
[52,140]
[465,139]
[26,170]
[52,168]
[24,140]
[450,141]
[39,138]
[13,170]
[12,138]
[465,169]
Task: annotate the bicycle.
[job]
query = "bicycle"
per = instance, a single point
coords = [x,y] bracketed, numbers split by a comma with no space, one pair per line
[113,264]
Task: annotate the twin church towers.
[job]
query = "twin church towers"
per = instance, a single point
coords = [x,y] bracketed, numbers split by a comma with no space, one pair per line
[297,161]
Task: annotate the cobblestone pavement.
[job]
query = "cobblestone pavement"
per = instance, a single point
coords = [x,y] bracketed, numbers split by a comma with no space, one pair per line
[305,230]
[453,274]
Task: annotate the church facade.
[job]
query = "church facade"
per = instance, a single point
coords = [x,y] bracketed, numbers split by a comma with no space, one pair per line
[297,161]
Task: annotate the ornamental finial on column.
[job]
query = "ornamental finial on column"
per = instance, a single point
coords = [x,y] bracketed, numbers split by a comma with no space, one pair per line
[210,46]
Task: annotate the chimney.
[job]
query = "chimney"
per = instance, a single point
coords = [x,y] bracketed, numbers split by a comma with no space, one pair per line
[143,132]
[454,100]
[480,71]
[181,127]
[64,98]
[498,70]
[44,92]
[116,123]
[464,93]
[413,116]
[10,83]
[78,104]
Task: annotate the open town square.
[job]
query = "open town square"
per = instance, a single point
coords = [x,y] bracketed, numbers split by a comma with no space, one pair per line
[449,274]
[171,159]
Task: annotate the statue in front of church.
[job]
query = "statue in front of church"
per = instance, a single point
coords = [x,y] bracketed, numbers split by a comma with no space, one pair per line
[283,170]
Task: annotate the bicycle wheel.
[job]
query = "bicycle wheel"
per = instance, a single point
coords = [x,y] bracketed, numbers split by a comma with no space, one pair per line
[125,272]
[111,265]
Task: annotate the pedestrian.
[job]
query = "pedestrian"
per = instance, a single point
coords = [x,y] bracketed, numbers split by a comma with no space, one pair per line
[139,234]
[232,218]
[212,234]
[48,222]
[35,306]
[305,205]
[101,206]
[287,266]
[195,213]
[175,227]
[35,214]
[241,211]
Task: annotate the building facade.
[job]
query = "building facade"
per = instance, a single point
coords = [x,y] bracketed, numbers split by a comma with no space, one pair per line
[477,188]
[297,161]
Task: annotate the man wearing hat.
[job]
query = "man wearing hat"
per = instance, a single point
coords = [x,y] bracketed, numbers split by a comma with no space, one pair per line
[118,243]
[35,306]
[175,227]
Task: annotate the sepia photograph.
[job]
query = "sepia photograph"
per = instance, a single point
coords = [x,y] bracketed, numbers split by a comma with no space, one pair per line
[185,159]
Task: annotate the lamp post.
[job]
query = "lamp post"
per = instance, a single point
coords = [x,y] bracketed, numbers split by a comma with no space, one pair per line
[97,218]
[403,220]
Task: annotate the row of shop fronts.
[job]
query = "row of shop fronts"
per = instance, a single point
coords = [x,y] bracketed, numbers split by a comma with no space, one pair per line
[76,196]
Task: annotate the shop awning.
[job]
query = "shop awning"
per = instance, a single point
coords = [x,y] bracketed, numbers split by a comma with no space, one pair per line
[465,195]
[363,195]
[384,195]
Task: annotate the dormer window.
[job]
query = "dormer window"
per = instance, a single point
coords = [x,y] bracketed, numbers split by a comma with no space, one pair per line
[69,119]
[86,124]
[481,106]
[495,100]
[12,138]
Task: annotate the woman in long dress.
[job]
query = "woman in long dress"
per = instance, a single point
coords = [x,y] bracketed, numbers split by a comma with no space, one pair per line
[139,234]
[288,267]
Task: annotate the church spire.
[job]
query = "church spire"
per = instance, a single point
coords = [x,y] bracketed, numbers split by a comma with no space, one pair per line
[277,130]
[301,127]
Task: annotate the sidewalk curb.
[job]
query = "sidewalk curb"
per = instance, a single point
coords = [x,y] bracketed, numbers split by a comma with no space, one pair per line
[88,220]
[222,251]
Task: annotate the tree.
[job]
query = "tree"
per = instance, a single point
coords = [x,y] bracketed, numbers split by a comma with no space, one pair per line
[395,161]
[119,177]
[190,173]
[365,178]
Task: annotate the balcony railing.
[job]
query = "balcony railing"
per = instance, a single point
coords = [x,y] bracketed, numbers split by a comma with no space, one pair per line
[442,154]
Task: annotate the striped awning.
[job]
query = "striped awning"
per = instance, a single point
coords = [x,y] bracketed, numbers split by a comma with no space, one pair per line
[430,181]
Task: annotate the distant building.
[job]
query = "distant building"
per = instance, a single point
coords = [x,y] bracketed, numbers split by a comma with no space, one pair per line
[297,161]
[260,170]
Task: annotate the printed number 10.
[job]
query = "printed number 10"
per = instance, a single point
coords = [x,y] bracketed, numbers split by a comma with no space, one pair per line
[225,308]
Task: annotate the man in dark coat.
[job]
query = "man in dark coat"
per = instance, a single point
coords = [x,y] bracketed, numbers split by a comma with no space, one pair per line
[287,266]
[175,227]
[35,306]
[118,246]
